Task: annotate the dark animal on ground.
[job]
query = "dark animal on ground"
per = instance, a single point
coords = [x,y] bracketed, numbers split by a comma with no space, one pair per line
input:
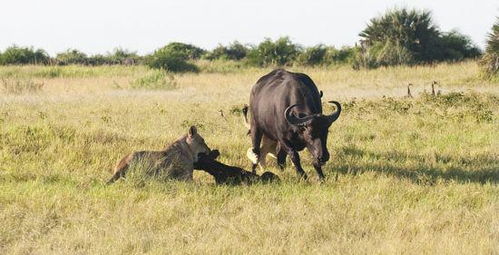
[225,174]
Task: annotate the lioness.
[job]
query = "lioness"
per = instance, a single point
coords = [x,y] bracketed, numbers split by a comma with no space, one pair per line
[174,162]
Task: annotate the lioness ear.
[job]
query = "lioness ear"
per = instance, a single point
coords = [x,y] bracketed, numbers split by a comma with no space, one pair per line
[192,131]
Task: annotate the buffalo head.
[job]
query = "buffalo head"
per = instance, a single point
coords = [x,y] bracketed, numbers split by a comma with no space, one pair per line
[313,130]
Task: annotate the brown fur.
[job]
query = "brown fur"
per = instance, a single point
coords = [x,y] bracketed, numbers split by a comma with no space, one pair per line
[174,162]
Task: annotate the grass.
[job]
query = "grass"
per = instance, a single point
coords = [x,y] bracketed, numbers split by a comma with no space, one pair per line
[406,175]
[154,80]
[19,86]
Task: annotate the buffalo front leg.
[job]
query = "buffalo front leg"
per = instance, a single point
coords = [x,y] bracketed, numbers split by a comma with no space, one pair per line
[295,158]
[318,169]
[281,157]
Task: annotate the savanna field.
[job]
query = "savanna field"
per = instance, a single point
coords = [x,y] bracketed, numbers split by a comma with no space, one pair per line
[406,176]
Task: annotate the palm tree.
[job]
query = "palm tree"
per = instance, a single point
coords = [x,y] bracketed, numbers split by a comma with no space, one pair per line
[412,30]
[490,60]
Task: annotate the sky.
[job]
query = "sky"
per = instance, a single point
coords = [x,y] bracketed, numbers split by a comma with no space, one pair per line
[99,26]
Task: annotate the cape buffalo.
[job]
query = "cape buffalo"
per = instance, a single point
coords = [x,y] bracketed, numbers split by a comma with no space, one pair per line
[286,107]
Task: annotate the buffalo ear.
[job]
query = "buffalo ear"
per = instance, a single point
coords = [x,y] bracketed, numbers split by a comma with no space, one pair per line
[193,131]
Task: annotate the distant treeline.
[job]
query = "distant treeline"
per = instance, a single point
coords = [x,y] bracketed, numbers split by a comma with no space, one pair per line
[399,37]
[16,55]
[268,53]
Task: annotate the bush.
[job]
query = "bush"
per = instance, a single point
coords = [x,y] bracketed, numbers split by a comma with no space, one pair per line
[324,55]
[72,57]
[313,56]
[121,57]
[156,79]
[269,53]
[117,57]
[97,60]
[235,51]
[188,50]
[345,55]
[490,60]
[455,46]
[408,37]
[173,58]
[15,55]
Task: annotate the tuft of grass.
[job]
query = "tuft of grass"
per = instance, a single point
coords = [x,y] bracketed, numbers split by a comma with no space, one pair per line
[20,86]
[156,79]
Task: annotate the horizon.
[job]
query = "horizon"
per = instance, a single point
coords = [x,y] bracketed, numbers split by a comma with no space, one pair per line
[55,27]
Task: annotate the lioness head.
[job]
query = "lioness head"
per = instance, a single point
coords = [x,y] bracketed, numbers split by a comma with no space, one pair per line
[196,143]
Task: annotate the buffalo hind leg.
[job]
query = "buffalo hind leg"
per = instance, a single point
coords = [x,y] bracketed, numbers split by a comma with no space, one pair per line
[256,139]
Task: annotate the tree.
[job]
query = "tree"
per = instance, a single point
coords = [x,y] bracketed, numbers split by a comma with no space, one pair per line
[270,53]
[174,58]
[455,46]
[490,60]
[188,50]
[121,56]
[15,55]
[313,55]
[404,36]
[235,51]
[72,57]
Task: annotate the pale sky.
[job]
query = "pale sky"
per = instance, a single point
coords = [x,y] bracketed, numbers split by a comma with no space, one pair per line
[99,26]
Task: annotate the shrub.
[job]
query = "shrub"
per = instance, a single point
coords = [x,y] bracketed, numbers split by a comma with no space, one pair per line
[324,55]
[313,55]
[173,58]
[188,50]
[235,51]
[122,57]
[455,46]
[97,60]
[117,57]
[269,53]
[15,55]
[490,60]
[72,57]
[156,79]
[345,55]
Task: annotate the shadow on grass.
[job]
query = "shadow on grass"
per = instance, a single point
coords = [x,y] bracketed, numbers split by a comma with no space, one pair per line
[421,169]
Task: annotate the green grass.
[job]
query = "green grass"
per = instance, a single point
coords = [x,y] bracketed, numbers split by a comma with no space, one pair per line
[68,71]
[406,175]
[155,80]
